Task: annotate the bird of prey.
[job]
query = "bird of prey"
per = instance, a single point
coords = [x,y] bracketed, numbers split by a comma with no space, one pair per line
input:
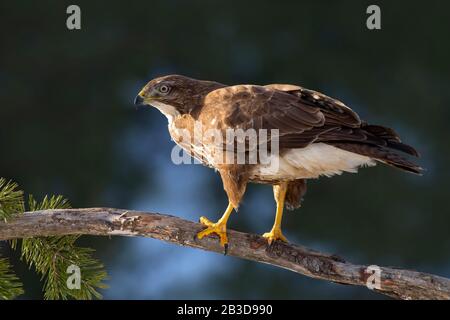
[316,134]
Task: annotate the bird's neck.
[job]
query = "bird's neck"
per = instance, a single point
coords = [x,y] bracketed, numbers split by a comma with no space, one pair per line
[169,111]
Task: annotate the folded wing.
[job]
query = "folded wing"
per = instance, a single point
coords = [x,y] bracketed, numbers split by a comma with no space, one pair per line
[304,116]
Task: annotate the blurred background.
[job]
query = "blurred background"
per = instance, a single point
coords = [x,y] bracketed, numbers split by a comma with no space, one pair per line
[68,126]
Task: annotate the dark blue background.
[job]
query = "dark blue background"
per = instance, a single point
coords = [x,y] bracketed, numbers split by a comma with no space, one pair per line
[68,126]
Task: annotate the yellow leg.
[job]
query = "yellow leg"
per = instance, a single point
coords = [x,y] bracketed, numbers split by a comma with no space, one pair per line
[219,228]
[275,233]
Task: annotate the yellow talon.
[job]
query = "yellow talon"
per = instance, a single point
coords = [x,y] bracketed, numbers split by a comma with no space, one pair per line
[274,234]
[205,221]
[219,228]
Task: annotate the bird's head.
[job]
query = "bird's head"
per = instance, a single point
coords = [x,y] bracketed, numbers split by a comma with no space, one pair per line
[174,94]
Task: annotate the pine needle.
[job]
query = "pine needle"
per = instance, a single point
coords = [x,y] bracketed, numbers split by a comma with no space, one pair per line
[11,200]
[10,286]
[52,256]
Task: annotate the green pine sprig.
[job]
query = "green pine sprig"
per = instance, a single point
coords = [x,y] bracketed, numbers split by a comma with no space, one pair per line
[52,256]
[11,199]
[10,286]
[11,203]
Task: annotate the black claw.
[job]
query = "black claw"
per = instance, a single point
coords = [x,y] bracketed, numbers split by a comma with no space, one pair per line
[225,249]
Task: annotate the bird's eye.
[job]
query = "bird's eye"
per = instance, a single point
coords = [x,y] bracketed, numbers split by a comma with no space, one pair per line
[164,89]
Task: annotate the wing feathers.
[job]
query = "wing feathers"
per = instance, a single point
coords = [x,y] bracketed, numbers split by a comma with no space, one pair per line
[304,116]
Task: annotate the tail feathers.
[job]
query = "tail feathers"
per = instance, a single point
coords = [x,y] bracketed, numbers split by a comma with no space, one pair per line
[391,138]
[397,161]
[403,148]
[381,154]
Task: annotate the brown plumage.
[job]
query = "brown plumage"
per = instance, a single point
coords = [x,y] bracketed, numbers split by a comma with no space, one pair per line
[318,135]
[296,190]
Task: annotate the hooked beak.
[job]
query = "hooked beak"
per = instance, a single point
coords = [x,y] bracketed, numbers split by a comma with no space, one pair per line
[138,101]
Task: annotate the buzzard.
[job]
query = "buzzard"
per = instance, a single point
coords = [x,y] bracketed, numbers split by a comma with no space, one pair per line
[316,136]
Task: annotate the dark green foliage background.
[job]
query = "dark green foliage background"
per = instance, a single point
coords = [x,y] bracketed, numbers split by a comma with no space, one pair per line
[68,126]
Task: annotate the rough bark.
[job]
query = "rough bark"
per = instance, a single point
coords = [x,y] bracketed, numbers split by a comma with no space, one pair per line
[397,283]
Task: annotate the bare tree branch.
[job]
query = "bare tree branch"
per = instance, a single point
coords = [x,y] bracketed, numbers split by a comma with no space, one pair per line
[397,283]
